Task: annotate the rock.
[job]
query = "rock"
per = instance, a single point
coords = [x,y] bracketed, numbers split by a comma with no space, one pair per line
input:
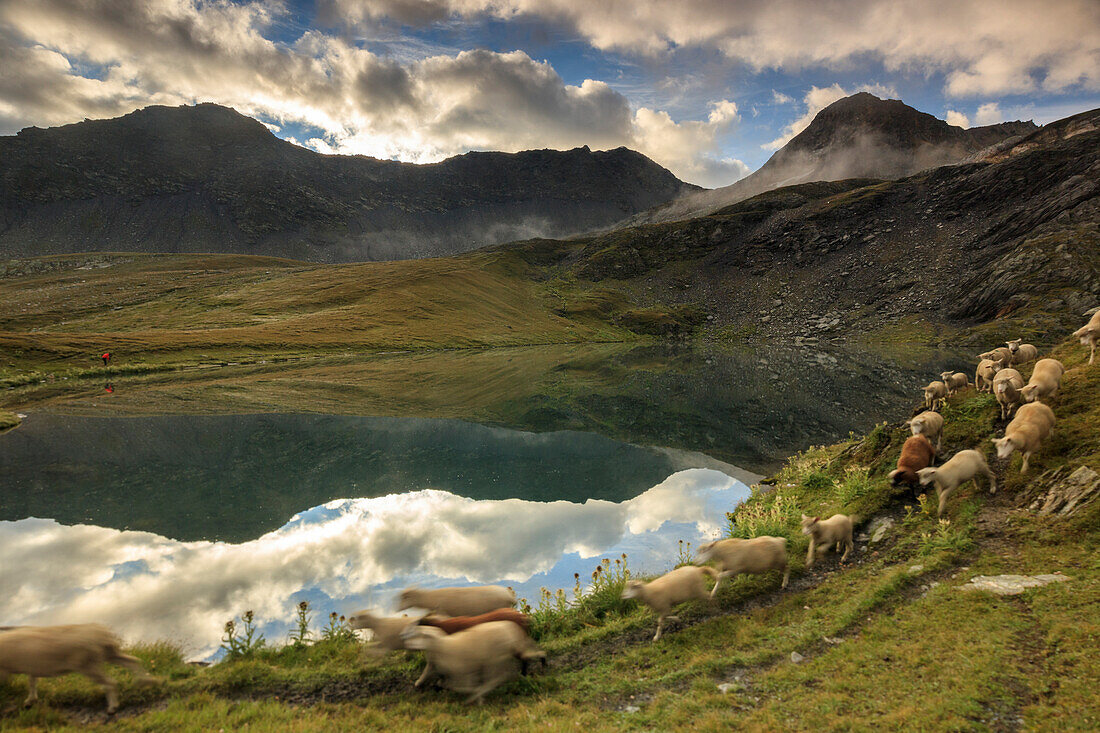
[914,569]
[831,640]
[1064,494]
[725,687]
[882,526]
[631,709]
[1010,585]
[797,658]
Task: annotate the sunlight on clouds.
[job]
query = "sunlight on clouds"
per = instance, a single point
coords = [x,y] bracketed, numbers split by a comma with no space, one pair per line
[958,119]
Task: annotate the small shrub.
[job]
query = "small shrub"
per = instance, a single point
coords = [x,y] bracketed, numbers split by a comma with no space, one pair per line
[945,537]
[774,514]
[244,642]
[337,631]
[817,481]
[555,613]
[299,636]
[855,485]
[684,556]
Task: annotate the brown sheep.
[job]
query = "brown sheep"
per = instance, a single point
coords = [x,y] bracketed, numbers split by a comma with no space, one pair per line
[452,624]
[916,453]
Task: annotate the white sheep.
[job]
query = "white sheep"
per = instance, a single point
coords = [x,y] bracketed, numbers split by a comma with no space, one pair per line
[385,630]
[934,395]
[954,381]
[961,467]
[674,587]
[1090,334]
[758,555]
[49,651]
[476,660]
[929,424]
[984,374]
[458,601]
[1002,354]
[1046,377]
[1033,424]
[1021,353]
[1006,388]
[825,533]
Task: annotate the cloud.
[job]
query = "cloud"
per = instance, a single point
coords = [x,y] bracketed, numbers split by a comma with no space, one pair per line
[982,48]
[988,114]
[183,51]
[781,98]
[817,99]
[339,555]
[958,119]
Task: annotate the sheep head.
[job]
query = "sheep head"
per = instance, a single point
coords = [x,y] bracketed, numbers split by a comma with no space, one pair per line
[1005,446]
[926,475]
[808,523]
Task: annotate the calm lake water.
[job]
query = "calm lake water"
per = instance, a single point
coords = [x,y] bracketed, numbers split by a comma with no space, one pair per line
[342,481]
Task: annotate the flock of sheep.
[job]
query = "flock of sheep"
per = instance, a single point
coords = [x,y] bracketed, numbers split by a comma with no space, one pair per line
[474,641]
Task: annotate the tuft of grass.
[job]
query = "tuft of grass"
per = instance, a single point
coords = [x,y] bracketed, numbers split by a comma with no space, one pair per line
[8,420]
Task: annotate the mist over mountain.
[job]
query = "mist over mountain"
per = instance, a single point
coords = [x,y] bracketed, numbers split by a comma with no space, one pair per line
[860,136]
[207,179]
[1008,240]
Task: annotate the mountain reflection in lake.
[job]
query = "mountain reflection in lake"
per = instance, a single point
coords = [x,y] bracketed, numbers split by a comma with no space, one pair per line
[343,555]
[235,477]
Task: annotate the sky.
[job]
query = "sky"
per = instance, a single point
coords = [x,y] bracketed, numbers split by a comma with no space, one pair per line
[707,88]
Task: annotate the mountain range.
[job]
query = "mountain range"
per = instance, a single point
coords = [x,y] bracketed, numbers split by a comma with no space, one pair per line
[860,136]
[205,178]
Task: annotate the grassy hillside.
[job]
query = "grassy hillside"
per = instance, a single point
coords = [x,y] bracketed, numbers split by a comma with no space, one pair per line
[887,641]
[150,310]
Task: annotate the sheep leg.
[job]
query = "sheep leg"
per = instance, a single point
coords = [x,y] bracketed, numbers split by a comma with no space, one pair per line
[1092,351]
[97,675]
[1027,457]
[718,582]
[488,686]
[786,576]
[810,554]
[847,552]
[660,625]
[32,691]
[426,676]
[943,494]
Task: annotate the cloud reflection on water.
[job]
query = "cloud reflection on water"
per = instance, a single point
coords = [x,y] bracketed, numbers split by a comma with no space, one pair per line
[341,555]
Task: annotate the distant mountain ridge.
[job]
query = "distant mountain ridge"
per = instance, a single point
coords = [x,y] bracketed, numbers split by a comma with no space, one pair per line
[206,178]
[860,136]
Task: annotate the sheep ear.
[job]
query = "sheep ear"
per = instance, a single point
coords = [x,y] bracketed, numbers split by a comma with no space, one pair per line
[817,519]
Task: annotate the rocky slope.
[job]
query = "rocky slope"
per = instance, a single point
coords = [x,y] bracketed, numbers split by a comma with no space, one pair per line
[860,136]
[1016,236]
[207,179]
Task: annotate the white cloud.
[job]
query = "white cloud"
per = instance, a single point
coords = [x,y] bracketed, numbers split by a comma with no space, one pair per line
[817,99]
[958,119]
[340,555]
[982,47]
[988,114]
[781,98]
[181,51]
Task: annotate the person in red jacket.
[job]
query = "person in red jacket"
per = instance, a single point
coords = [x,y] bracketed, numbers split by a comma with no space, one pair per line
[106,357]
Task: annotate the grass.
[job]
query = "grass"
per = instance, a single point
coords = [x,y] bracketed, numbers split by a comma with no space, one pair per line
[8,420]
[154,311]
[887,642]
